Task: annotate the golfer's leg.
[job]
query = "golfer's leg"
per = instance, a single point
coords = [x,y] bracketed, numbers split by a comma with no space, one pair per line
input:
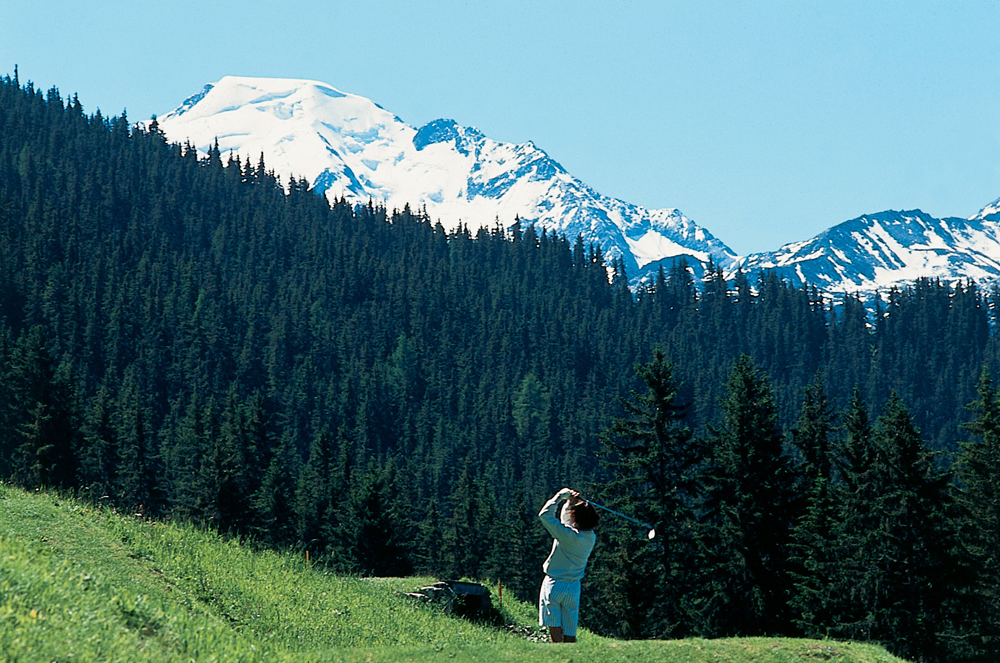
[570,612]
[548,610]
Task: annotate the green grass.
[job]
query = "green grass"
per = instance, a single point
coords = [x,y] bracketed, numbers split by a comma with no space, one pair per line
[79,583]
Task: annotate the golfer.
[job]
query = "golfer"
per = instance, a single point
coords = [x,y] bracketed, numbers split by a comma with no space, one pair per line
[573,536]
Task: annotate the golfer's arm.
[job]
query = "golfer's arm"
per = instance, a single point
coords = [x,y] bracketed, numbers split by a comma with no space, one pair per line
[549,515]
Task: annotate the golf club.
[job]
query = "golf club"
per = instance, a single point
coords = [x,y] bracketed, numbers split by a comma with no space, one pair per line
[650,535]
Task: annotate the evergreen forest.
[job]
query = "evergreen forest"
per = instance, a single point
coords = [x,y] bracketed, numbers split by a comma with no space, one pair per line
[189,337]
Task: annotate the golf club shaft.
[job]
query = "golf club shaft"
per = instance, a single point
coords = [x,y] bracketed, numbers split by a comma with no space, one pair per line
[637,522]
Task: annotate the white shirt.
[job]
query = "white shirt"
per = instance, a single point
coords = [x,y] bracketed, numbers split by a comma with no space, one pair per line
[571,547]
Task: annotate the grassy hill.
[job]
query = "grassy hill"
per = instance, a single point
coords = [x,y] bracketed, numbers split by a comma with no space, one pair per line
[79,583]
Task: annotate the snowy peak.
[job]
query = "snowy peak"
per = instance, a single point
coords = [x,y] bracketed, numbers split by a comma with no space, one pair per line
[875,252]
[346,145]
[302,128]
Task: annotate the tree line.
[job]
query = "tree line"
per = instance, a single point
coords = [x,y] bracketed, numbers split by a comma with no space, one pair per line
[847,527]
[186,336]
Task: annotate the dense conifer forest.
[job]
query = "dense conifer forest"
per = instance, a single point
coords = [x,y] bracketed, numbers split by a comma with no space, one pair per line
[189,337]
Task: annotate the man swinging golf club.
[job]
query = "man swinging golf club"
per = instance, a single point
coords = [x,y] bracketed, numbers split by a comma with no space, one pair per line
[573,540]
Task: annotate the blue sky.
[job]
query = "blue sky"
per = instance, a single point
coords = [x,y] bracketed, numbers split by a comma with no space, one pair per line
[764,122]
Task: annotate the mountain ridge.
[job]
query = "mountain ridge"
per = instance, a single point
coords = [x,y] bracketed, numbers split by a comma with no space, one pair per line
[877,251]
[348,146]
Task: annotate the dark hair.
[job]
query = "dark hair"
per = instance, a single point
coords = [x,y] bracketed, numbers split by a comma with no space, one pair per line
[585,516]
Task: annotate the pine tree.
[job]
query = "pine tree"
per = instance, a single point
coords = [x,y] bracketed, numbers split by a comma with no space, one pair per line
[225,487]
[313,492]
[138,470]
[191,488]
[854,490]
[428,557]
[814,563]
[812,432]
[748,512]
[814,559]
[274,500]
[855,454]
[978,472]
[532,418]
[100,453]
[905,580]
[373,535]
[46,423]
[519,549]
[7,407]
[654,459]
[978,478]
[466,536]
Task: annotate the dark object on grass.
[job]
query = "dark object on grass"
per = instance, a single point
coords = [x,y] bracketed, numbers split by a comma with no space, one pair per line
[464,599]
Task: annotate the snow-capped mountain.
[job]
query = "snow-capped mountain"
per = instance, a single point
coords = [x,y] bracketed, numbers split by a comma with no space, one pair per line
[876,251]
[346,145]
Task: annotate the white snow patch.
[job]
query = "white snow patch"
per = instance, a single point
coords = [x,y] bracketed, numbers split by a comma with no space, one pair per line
[654,246]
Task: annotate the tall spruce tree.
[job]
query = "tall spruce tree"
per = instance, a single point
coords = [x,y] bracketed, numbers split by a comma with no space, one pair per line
[99,453]
[467,537]
[137,489]
[812,434]
[978,496]
[532,417]
[518,548]
[225,485]
[855,490]
[314,492]
[46,424]
[274,501]
[428,556]
[373,536]
[814,557]
[748,512]
[903,576]
[194,434]
[654,460]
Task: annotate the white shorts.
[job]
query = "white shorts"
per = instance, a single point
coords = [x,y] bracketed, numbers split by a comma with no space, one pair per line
[559,604]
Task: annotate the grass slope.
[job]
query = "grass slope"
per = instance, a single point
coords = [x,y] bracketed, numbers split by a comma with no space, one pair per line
[79,583]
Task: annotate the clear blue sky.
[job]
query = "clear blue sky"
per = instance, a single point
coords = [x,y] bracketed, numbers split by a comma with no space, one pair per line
[765,122]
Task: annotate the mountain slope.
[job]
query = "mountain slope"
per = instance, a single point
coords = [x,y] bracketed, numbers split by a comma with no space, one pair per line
[346,145]
[876,251]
